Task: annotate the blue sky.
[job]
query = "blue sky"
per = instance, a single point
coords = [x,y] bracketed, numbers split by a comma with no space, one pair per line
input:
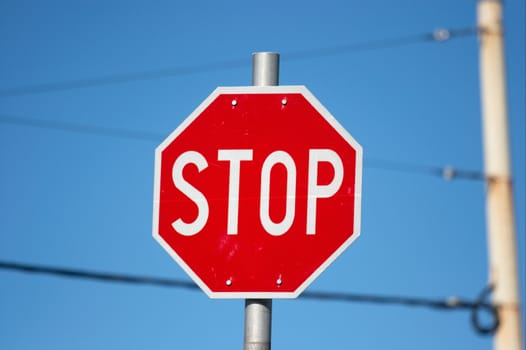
[80,198]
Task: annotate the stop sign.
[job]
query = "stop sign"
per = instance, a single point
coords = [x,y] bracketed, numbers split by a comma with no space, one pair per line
[257,192]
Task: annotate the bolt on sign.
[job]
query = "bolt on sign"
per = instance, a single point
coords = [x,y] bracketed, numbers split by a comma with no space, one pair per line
[257,192]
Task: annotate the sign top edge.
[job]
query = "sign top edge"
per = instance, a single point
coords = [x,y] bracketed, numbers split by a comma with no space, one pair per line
[260,89]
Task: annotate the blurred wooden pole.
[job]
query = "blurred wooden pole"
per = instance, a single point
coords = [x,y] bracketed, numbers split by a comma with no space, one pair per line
[499,195]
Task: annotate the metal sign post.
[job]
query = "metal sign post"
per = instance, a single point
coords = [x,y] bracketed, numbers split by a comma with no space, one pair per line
[258,312]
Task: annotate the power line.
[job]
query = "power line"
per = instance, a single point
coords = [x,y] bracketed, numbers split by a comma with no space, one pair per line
[449,304]
[447,172]
[439,35]
[97,276]
[123,78]
[82,128]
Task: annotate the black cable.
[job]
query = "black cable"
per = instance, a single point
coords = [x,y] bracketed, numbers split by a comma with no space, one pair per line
[435,36]
[402,166]
[438,35]
[447,173]
[82,128]
[123,78]
[98,276]
[437,304]
[481,306]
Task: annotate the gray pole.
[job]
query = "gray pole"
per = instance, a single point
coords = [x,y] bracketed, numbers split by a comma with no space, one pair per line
[258,324]
[258,312]
[265,69]
[499,198]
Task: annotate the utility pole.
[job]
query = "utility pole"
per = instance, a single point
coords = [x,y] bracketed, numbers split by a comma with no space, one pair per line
[258,312]
[503,271]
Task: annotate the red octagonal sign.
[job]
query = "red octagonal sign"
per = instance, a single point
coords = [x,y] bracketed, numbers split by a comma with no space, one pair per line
[257,192]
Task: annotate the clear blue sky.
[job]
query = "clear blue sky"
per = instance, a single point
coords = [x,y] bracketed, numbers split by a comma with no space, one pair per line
[80,198]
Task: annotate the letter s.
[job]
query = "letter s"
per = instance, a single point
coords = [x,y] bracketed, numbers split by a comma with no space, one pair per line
[196,158]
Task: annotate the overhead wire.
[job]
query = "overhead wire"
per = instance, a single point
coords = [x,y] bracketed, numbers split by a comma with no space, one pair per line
[121,133]
[438,35]
[111,79]
[444,172]
[448,304]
